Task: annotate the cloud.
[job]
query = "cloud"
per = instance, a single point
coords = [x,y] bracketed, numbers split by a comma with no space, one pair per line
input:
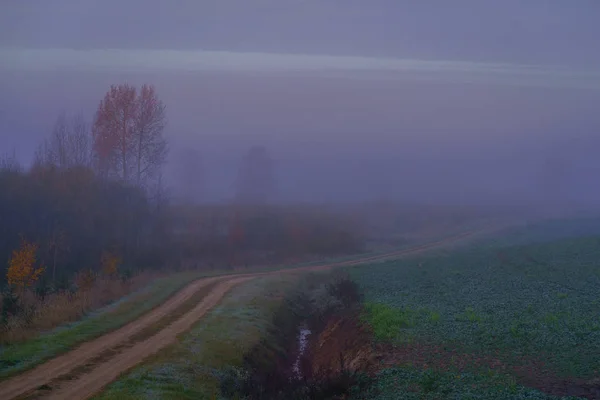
[121,60]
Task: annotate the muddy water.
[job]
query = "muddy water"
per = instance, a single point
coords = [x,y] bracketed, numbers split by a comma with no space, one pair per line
[303,335]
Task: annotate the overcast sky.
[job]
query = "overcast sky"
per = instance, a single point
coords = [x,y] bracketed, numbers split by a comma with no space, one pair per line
[427,95]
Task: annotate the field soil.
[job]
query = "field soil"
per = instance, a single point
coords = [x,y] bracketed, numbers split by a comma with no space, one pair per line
[84,371]
[346,345]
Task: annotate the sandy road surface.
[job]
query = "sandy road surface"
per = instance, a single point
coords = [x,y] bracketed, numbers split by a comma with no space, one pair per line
[52,373]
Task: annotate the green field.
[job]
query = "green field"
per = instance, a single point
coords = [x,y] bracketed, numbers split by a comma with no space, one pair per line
[526,307]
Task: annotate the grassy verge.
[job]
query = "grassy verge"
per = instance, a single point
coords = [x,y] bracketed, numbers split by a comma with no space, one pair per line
[193,368]
[33,314]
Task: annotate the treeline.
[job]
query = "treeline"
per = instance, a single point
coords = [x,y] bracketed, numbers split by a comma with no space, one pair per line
[237,234]
[92,193]
[80,224]
[95,192]
[75,218]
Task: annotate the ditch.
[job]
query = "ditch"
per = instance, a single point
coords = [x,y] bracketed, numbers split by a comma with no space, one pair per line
[315,349]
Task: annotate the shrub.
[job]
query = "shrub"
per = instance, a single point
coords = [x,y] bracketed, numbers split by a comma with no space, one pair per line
[21,267]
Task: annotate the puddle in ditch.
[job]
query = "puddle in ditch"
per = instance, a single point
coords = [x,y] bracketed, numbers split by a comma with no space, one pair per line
[303,337]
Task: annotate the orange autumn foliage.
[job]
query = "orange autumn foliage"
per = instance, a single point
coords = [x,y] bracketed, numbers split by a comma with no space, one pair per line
[21,267]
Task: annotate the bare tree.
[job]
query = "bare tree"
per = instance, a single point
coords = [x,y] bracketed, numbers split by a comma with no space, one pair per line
[80,142]
[159,193]
[57,243]
[69,144]
[10,163]
[56,151]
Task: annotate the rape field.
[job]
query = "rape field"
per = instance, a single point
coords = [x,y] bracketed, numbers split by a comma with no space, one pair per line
[527,313]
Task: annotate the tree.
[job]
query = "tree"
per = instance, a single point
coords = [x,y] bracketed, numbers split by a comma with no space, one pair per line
[58,242]
[151,148]
[256,180]
[9,163]
[128,138]
[68,146]
[21,267]
[113,131]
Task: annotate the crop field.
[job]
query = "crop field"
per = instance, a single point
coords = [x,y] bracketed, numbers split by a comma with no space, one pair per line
[530,311]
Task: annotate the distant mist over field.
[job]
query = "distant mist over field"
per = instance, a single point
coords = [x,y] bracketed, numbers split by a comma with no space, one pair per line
[352,101]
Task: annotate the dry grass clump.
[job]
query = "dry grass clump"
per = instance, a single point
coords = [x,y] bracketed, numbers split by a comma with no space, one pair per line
[42,314]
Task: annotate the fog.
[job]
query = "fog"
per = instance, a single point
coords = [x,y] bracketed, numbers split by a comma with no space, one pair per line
[466,102]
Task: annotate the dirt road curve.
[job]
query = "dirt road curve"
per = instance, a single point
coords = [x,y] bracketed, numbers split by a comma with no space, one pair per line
[93,382]
[65,363]
[54,379]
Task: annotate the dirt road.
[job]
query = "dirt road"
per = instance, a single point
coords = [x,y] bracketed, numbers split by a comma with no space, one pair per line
[93,382]
[85,370]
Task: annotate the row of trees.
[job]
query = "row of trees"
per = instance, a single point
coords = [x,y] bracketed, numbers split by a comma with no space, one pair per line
[98,188]
[125,142]
[93,205]
[91,189]
[260,234]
